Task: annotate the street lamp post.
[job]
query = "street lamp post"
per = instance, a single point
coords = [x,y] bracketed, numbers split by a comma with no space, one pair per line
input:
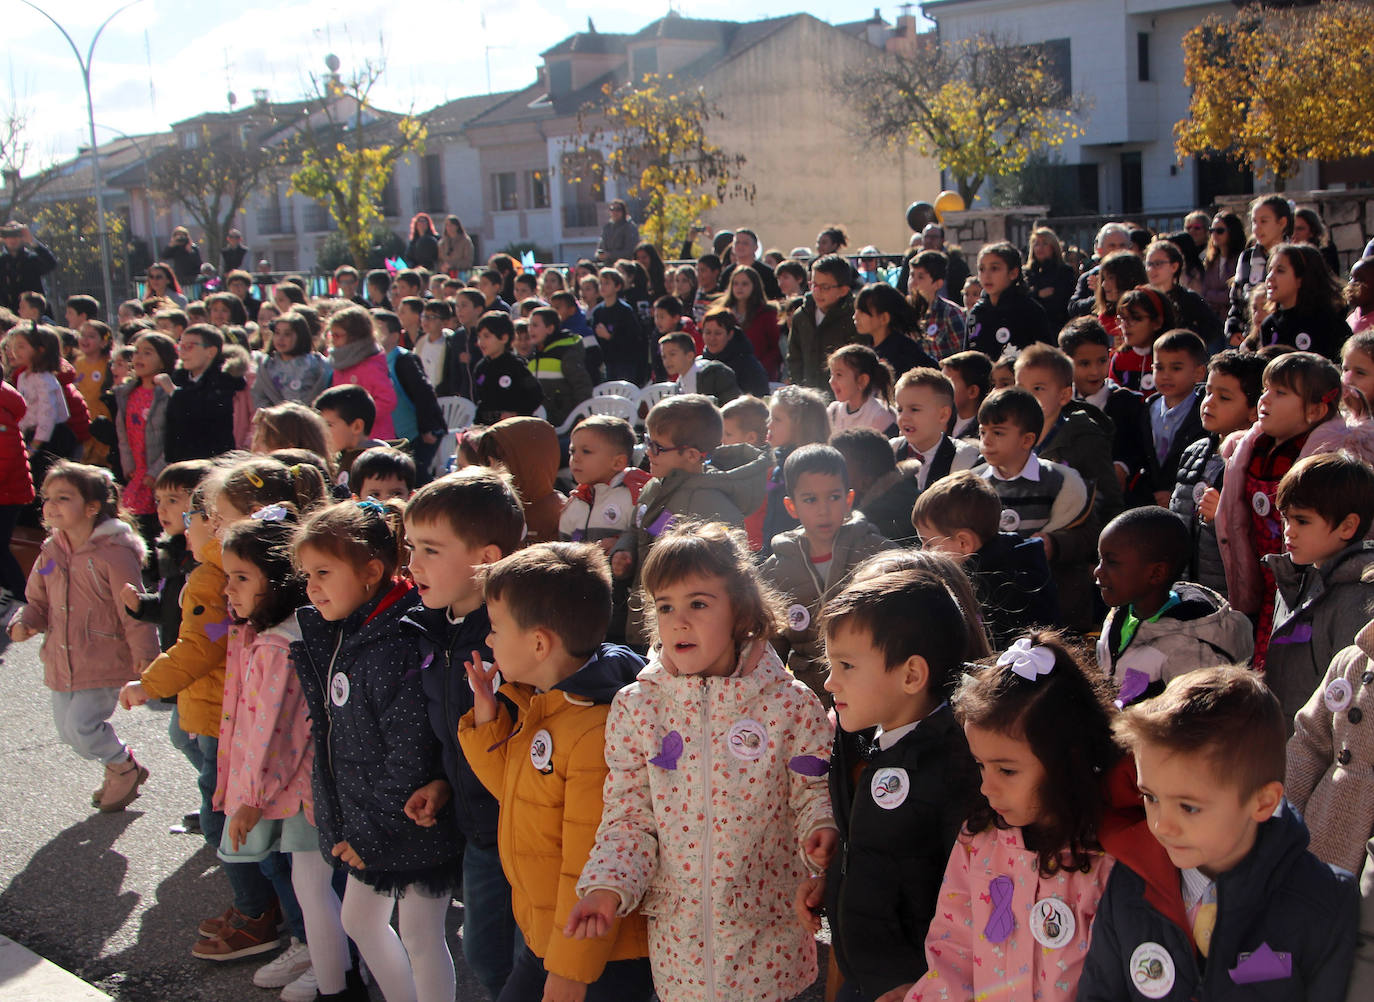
[85,64]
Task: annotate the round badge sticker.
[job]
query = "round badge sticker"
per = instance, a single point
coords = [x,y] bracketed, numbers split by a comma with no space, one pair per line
[748,739]
[1152,970]
[95,376]
[541,752]
[338,688]
[504,382]
[295,384]
[1003,335]
[1303,341]
[1009,521]
[611,513]
[1147,381]
[1260,502]
[1199,489]
[890,787]
[1052,923]
[1338,695]
[639,514]
[798,617]
[933,329]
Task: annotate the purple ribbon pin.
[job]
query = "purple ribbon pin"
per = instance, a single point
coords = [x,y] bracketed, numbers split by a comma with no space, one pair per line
[1133,686]
[808,765]
[658,525]
[218,631]
[1300,634]
[1001,922]
[48,567]
[669,751]
[1262,965]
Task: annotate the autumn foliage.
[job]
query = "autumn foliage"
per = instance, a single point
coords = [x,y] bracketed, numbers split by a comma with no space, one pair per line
[1272,88]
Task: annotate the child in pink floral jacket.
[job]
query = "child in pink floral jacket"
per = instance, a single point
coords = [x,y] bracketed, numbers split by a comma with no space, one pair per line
[1022,885]
[716,801]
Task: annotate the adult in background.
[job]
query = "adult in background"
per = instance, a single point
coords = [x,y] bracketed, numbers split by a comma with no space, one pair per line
[456,250]
[831,240]
[823,322]
[619,237]
[233,252]
[1049,279]
[1308,228]
[1111,238]
[184,257]
[933,238]
[423,249]
[1226,239]
[757,317]
[746,254]
[23,263]
[1196,225]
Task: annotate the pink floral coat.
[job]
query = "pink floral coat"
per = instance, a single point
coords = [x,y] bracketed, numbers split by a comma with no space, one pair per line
[714,786]
[995,914]
[265,751]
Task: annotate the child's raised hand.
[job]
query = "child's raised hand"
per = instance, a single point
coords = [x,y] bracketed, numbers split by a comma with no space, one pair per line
[483,681]
[808,901]
[426,802]
[821,845]
[245,819]
[345,852]
[1207,505]
[592,916]
[164,382]
[129,596]
[133,694]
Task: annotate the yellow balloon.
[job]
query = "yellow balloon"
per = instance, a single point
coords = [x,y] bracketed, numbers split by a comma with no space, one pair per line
[948,201]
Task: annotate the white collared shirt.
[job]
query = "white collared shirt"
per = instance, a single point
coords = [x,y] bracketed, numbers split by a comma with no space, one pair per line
[1031,471]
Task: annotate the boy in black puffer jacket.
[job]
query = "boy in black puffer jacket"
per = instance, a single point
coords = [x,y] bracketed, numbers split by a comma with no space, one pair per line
[902,638]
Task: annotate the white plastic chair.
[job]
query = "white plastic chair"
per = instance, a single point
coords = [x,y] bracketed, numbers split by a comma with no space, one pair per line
[458,414]
[655,392]
[618,388]
[774,387]
[616,406]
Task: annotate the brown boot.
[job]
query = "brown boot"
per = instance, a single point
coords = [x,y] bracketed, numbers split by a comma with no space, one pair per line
[122,780]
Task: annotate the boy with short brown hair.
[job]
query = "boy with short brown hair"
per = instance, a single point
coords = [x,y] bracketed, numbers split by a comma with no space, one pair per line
[1224,901]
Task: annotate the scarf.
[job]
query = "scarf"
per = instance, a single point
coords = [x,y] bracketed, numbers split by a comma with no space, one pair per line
[353,353]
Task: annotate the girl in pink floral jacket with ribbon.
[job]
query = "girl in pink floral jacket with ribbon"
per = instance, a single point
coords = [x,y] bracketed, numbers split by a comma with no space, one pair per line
[716,802]
[1023,882]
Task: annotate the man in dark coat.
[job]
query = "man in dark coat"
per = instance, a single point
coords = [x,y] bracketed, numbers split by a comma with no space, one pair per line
[23,263]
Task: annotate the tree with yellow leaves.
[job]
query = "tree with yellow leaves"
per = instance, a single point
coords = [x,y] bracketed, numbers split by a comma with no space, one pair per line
[346,151]
[1272,88]
[979,106]
[655,133]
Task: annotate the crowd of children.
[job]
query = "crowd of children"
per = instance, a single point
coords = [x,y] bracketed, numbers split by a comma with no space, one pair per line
[1030,666]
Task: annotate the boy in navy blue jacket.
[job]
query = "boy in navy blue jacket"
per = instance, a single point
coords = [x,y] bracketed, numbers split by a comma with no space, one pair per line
[895,643]
[505,386]
[454,525]
[1214,894]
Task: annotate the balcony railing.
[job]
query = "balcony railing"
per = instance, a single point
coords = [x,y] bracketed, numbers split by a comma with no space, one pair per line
[273,221]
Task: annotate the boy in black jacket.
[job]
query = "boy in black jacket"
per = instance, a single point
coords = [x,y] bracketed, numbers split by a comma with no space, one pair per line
[504,385]
[200,411]
[1171,420]
[1088,344]
[1016,592]
[895,643]
[454,525]
[1214,894]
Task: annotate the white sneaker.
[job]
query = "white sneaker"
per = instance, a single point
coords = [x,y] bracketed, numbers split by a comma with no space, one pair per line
[285,968]
[303,989]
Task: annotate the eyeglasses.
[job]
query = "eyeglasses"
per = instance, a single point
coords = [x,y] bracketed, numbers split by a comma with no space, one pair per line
[828,287]
[1218,229]
[186,516]
[186,345]
[657,449]
[1164,263]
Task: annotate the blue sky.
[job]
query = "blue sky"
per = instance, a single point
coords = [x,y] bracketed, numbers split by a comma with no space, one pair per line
[164,60]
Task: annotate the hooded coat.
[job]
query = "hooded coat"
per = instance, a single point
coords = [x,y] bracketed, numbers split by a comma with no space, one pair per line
[730,486]
[1200,631]
[1083,438]
[366,366]
[89,639]
[16,482]
[200,414]
[715,784]
[1317,612]
[528,447]
[789,570]
[1244,583]
[1016,320]
[739,355]
[155,429]
[1330,774]
[547,771]
[373,744]
[810,343]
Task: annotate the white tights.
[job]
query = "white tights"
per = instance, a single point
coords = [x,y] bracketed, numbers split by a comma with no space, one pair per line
[414,967]
[311,878]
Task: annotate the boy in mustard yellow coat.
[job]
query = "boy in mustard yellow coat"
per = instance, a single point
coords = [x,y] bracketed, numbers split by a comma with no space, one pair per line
[550,606]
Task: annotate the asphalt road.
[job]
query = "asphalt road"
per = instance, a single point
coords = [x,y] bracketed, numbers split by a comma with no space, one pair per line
[116,898]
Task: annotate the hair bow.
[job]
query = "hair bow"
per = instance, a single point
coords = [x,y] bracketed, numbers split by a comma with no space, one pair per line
[1030,662]
[372,505]
[253,478]
[271,513]
[294,470]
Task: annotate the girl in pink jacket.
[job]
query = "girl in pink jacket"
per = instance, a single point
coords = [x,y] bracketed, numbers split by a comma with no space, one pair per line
[357,358]
[92,644]
[716,802]
[1022,885]
[265,751]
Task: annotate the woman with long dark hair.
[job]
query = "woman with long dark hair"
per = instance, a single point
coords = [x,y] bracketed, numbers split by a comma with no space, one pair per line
[1224,245]
[652,262]
[423,249]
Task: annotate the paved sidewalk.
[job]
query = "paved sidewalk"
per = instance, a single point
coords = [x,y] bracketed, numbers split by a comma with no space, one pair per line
[27,977]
